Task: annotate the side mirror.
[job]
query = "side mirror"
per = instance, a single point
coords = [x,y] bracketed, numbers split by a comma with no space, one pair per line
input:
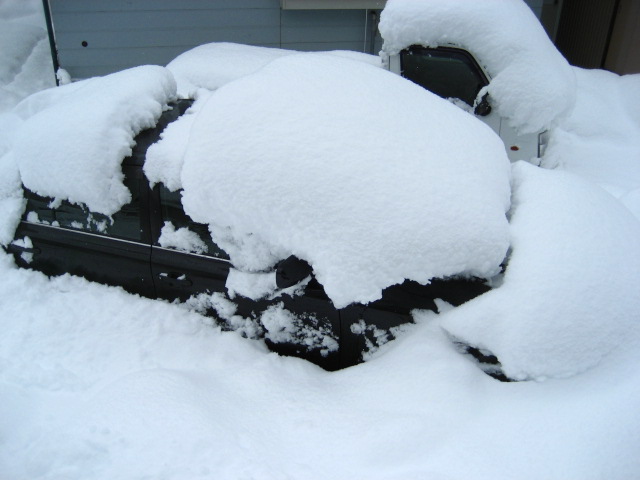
[291,271]
[483,108]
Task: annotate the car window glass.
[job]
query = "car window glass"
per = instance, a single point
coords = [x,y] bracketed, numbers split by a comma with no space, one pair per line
[123,224]
[172,211]
[447,73]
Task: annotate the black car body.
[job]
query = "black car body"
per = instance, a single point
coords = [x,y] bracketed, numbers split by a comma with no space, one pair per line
[124,250]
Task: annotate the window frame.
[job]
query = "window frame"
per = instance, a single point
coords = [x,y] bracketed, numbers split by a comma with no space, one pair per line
[477,68]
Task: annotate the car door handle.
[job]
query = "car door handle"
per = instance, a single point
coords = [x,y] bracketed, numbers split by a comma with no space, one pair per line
[175,279]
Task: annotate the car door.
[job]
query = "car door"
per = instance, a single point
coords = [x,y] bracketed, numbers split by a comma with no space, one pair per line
[185,263]
[68,238]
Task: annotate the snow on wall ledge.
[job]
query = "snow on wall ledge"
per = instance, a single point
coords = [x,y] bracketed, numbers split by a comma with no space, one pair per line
[74,137]
[532,84]
[368,177]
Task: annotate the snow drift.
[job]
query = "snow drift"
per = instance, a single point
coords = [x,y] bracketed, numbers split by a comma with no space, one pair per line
[74,137]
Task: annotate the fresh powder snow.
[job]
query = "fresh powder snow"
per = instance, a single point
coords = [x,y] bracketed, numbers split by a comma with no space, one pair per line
[212,65]
[368,177]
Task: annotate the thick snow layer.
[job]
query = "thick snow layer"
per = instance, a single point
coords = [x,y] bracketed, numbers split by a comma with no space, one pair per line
[75,137]
[600,139]
[212,65]
[368,177]
[531,83]
[570,293]
[144,389]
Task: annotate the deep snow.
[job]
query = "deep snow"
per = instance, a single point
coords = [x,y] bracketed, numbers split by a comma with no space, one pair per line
[99,384]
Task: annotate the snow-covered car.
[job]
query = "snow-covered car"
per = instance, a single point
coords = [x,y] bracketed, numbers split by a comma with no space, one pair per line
[268,203]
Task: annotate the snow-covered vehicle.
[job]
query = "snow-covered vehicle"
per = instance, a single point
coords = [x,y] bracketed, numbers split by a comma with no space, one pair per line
[268,202]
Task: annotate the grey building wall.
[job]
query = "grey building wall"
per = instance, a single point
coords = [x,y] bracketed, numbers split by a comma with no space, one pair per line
[96,37]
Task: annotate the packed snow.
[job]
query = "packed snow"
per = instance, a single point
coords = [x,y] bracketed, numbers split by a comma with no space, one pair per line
[532,85]
[96,383]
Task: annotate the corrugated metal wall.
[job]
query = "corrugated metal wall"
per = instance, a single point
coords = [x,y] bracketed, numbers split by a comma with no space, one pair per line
[96,37]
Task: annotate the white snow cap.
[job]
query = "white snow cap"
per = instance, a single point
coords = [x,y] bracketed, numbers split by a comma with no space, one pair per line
[532,84]
[368,177]
[212,65]
[570,293]
[74,137]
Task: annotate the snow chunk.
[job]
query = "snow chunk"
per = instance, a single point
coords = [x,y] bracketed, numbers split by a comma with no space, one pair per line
[282,326]
[75,137]
[163,163]
[570,293]
[250,285]
[182,239]
[212,65]
[399,184]
[532,84]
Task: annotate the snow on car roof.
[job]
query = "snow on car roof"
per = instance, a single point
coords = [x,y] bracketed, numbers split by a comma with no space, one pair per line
[211,65]
[532,84]
[368,177]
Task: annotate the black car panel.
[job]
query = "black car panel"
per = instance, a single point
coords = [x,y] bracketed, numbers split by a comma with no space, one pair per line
[126,249]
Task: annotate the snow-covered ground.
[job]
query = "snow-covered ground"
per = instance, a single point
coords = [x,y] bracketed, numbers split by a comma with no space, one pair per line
[96,383]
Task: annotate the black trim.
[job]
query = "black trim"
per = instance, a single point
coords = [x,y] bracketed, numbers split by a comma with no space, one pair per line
[52,39]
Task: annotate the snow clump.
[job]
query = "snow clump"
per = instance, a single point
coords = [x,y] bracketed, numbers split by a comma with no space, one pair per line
[569,295]
[74,137]
[531,83]
[212,65]
[366,176]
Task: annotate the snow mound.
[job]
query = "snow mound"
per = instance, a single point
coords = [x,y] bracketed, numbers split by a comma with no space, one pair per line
[600,139]
[212,65]
[532,84]
[368,177]
[570,293]
[75,137]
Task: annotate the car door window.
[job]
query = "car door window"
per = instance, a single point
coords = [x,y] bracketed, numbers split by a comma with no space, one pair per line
[447,72]
[124,224]
[175,219]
